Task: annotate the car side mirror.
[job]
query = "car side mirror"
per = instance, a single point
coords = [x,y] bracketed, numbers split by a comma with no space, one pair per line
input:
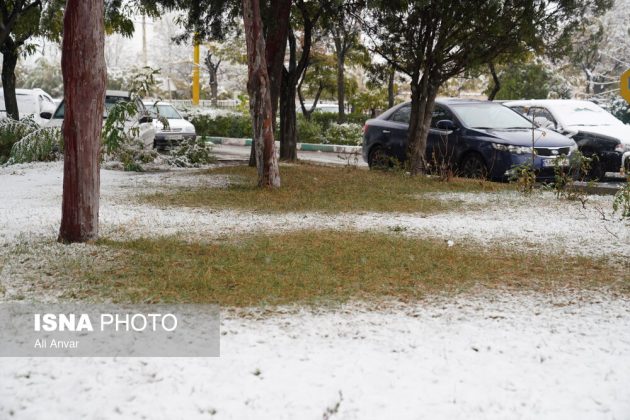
[45,115]
[145,119]
[446,125]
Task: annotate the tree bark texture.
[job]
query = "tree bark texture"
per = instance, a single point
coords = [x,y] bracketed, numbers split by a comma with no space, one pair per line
[84,80]
[258,86]
[9,62]
[423,95]
[341,79]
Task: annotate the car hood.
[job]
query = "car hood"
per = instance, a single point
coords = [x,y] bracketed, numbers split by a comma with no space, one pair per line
[175,125]
[619,132]
[523,137]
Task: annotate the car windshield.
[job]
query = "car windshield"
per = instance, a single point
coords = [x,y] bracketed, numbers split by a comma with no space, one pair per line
[490,116]
[164,110]
[585,114]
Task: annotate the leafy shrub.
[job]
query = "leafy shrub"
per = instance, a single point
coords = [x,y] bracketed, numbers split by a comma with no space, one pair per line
[309,131]
[326,119]
[192,153]
[621,202]
[25,141]
[347,134]
[237,126]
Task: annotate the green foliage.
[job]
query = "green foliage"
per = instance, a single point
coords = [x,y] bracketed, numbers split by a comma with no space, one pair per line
[523,81]
[237,126]
[26,141]
[371,100]
[44,75]
[348,134]
[524,177]
[621,202]
[578,169]
[326,119]
[192,153]
[309,131]
[11,132]
[114,134]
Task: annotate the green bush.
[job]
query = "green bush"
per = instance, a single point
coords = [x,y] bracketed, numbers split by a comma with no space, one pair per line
[25,141]
[309,131]
[326,119]
[322,128]
[237,126]
[346,134]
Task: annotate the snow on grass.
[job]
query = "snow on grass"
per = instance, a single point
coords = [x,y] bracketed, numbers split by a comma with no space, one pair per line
[516,357]
[31,206]
[497,356]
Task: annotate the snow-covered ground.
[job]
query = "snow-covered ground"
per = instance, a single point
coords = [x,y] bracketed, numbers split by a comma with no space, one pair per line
[483,356]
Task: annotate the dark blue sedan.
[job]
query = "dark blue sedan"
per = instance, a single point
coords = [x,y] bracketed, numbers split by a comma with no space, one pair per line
[476,139]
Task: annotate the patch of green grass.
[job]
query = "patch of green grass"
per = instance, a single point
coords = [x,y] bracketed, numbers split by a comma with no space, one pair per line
[323,266]
[322,189]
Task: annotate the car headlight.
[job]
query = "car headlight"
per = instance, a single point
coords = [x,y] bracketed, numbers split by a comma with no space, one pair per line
[622,148]
[573,148]
[518,150]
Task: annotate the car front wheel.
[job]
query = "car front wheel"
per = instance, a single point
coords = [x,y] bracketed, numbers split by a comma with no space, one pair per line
[473,166]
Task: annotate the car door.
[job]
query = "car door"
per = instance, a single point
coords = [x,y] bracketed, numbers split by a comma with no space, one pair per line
[441,143]
[397,130]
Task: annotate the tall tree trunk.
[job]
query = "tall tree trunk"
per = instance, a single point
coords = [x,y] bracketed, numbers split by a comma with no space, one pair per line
[84,80]
[9,62]
[341,79]
[497,82]
[258,86]
[423,97]
[276,33]
[391,94]
[288,121]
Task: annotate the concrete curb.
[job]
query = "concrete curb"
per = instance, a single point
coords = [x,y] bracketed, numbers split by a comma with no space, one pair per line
[307,147]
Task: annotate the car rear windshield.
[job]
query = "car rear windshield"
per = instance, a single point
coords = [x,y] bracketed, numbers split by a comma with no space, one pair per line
[495,116]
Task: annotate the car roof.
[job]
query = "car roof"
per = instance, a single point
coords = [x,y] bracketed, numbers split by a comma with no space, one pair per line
[549,102]
[157,103]
[121,93]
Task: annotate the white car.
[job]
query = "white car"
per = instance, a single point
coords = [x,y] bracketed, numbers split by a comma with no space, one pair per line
[178,127]
[141,121]
[31,102]
[597,133]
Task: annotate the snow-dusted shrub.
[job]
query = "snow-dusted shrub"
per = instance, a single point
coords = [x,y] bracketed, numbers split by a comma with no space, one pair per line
[191,153]
[28,142]
[347,134]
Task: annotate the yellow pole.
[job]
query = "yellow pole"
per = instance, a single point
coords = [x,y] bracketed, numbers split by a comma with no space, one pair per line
[195,87]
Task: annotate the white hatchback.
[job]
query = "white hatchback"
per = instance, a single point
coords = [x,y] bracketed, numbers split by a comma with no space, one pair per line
[142,121]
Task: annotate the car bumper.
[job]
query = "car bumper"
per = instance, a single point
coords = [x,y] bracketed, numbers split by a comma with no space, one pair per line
[168,140]
[506,164]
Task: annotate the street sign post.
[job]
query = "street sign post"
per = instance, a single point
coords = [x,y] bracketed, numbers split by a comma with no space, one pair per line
[624,85]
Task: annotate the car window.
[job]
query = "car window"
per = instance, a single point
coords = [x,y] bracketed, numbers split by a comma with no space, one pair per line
[110,101]
[538,112]
[520,109]
[403,115]
[440,114]
[488,115]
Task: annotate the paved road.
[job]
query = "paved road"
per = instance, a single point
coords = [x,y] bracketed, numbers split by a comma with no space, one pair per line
[238,153]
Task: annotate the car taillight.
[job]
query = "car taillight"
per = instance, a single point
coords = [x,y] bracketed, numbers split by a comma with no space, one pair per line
[365,128]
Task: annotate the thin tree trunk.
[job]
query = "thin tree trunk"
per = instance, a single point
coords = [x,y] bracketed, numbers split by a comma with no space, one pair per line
[258,86]
[341,78]
[84,79]
[9,62]
[497,82]
[390,87]
[423,97]
[288,121]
